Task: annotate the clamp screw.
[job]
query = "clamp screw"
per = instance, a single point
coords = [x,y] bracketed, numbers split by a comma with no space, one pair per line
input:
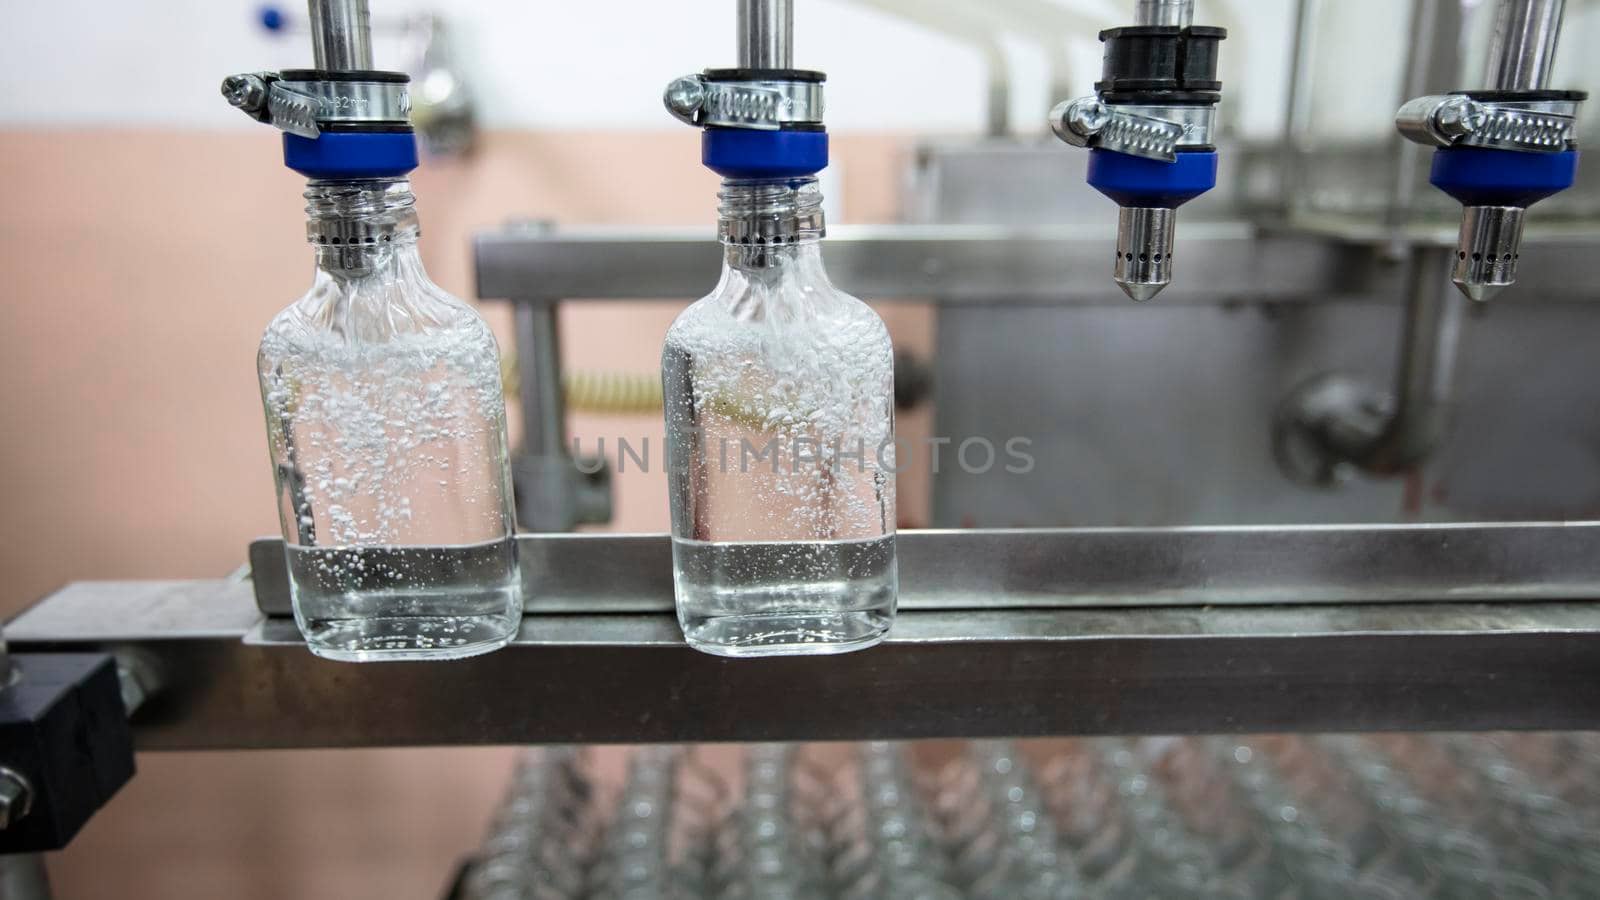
[1442,120]
[1076,121]
[247,92]
[684,98]
[1458,117]
[16,797]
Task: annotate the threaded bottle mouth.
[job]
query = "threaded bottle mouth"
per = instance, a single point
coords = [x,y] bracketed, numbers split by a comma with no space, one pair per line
[367,212]
[762,212]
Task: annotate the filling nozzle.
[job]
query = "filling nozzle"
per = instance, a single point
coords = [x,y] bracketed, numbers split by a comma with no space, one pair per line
[1503,148]
[1488,251]
[343,119]
[1149,130]
[762,119]
[1144,250]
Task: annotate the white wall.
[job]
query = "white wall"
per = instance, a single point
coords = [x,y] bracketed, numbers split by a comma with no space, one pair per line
[571,63]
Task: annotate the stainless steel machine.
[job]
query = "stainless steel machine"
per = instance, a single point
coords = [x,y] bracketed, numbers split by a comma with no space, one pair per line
[1307,353]
[1309,488]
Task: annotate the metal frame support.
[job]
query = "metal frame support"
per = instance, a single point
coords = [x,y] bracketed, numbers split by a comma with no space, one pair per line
[555,491]
[1082,631]
[967,265]
[544,430]
[1085,568]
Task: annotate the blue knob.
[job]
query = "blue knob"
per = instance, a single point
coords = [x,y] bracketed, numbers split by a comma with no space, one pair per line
[272,18]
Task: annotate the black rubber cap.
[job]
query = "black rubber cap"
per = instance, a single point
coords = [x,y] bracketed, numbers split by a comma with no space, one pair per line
[1145,62]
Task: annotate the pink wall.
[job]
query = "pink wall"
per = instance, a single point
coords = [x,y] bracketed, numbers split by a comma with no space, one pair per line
[138,271]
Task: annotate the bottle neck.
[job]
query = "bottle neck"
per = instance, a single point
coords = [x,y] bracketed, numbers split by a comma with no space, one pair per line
[767,224]
[361,227]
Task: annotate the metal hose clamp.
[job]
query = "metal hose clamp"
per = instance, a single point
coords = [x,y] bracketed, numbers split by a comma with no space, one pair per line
[764,104]
[1147,131]
[1460,120]
[304,102]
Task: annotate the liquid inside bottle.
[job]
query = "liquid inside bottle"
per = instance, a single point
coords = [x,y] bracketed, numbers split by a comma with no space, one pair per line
[780,444]
[386,423]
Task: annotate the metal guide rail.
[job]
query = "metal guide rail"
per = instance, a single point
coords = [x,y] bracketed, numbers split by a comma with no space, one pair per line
[1011,633]
[963,264]
[1049,568]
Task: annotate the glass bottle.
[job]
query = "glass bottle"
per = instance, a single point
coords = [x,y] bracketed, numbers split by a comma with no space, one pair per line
[386,424]
[780,442]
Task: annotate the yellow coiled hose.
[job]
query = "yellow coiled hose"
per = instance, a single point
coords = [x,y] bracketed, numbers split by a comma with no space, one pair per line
[604,393]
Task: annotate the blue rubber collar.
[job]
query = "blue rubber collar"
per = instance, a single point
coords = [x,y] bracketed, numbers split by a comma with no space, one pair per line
[352,154]
[1136,181]
[744,153]
[1480,177]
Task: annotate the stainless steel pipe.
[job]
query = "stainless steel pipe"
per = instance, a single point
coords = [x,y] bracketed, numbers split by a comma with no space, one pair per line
[341,34]
[1522,53]
[766,34]
[544,431]
[1172,13]
[1424,393]
[1335,424]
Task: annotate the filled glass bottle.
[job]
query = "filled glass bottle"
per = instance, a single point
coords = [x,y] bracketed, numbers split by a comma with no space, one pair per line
[386,424]
[779,398]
